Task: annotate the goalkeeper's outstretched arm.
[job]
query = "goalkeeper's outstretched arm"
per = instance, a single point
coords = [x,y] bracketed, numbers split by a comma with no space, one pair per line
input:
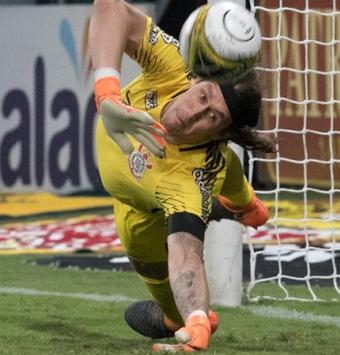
[190,289]
[117,27]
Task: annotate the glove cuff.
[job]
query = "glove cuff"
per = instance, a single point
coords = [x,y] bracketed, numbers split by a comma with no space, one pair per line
[198,319]
[224,201]
[106,87]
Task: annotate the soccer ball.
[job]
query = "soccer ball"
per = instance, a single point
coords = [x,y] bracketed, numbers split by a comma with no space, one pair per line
[221,41]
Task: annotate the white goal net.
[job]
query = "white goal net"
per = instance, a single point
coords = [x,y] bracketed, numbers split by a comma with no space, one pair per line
[300,70]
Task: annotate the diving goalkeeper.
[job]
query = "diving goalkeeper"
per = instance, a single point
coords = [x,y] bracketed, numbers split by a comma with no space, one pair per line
[163,157]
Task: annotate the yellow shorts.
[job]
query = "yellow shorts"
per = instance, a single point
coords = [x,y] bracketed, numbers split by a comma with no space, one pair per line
[143,235]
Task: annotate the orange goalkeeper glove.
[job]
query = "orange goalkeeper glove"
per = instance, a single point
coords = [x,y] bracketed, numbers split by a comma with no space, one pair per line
[120,119]
[193,336]
[254,214]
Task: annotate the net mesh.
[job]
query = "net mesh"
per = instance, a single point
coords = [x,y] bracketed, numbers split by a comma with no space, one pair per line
[301,107]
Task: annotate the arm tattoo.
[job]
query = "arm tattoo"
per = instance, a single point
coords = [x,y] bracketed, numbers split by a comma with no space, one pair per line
[187,274]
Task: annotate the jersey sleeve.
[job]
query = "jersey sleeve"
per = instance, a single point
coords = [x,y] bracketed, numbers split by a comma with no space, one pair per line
[158,52]
[186,203]
[186,192]
[236,186]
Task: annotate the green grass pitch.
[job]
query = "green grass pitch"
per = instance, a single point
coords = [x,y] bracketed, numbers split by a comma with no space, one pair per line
[58,319]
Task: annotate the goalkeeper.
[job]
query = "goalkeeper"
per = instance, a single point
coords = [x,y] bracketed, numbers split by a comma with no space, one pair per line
[163,156]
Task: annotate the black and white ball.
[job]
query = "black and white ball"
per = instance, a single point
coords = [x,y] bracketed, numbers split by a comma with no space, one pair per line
[221,41]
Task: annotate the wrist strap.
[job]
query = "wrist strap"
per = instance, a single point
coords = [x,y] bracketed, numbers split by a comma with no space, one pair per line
[198,312]
[105,72]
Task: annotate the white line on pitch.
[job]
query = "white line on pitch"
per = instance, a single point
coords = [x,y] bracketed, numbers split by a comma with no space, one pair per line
[283,313]
[83,296]
[263,311]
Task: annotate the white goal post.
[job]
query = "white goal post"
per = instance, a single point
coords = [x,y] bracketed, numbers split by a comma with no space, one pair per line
[223,250]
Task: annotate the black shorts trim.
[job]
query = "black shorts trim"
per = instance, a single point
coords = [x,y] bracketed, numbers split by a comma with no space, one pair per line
[186,222]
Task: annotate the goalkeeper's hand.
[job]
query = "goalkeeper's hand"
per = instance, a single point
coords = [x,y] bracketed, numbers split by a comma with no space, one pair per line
[120,119]
[193,336]
[254,214]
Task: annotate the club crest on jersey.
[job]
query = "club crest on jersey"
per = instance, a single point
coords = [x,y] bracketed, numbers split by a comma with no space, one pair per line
[139,162]
[150,99]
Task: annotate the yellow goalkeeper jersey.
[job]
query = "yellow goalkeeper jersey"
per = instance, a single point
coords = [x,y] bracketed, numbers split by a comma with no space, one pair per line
[189,176]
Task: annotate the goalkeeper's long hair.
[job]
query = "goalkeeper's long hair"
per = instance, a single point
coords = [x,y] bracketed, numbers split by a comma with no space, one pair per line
[249,92]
